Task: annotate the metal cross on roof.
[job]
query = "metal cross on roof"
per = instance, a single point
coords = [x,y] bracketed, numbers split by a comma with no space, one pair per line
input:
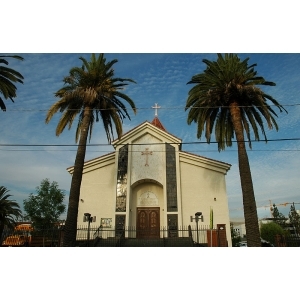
[156,107]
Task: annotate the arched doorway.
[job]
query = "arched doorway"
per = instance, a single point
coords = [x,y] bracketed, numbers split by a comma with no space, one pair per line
[148,222]
[146,208]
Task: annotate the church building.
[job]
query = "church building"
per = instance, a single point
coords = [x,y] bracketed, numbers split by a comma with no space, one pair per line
[149,183]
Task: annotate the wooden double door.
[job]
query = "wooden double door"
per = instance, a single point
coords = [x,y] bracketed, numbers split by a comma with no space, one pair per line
[148,222]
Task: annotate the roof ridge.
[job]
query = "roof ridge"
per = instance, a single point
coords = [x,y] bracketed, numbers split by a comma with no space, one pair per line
[205,157]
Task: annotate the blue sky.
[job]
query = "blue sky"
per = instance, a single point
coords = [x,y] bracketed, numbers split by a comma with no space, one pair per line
[160,78]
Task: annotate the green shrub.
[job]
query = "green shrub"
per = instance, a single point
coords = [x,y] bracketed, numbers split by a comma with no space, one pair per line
[268,231]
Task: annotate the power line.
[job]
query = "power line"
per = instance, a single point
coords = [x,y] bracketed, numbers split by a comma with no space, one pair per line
[140,144]
[156,151]
[163,108]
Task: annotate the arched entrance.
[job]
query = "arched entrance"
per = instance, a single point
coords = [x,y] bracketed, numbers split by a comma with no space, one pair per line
[148,222]
[146,208]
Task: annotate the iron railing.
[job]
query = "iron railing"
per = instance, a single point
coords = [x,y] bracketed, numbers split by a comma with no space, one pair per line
[185,236]
[131,236]
[43,237]
[287,241]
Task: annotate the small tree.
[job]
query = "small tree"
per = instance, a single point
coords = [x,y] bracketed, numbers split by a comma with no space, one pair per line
[235,237]
[270,230]
[278,217]
[294,218]
[45,208]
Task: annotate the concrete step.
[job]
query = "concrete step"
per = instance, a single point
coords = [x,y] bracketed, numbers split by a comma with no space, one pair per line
[179,242]
[133,242]
[142,243]
[109,242]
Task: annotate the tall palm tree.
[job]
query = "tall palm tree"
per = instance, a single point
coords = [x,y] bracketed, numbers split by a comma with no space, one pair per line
[9,211]
[226,98]
[7,77]
[90,92]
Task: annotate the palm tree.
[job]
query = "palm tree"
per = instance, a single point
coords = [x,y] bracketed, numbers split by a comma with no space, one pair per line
[226,98]
[7,77]
[9,211]
[90,92]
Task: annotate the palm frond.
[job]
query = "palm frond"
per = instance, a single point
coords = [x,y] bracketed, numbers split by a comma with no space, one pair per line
[9,209]
[7,77]
[224,81]
[92,86]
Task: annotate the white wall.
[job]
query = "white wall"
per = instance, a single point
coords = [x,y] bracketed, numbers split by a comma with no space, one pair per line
[98,192]
[199,188]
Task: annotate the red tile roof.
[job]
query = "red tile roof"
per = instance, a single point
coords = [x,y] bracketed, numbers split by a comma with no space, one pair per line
[158,124]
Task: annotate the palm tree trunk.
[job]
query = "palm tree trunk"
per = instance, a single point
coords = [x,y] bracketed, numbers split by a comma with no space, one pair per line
[71,222]
[250,212]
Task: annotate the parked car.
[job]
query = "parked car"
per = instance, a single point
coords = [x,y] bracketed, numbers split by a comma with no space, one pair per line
[20,238]
[264,243]
[242,244]
[17,241]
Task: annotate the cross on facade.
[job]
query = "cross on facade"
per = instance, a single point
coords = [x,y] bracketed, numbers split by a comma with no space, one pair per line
[146,152]
[156,107]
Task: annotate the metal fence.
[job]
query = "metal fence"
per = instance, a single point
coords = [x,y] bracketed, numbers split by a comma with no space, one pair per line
[186,236]
[287,241]
[44,237]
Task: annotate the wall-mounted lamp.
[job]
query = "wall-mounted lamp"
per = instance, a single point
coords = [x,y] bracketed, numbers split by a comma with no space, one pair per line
[198,216]
[87,217]
[81,200]
[215,199]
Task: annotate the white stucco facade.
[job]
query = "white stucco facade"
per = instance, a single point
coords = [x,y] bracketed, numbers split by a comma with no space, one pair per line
[148,171]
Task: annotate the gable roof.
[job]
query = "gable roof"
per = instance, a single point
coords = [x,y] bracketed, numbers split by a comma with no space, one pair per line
[105,159]
[155,126]
[204,157]
[204,162]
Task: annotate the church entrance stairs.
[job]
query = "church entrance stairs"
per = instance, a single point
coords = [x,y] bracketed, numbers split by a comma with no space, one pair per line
[161,242]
